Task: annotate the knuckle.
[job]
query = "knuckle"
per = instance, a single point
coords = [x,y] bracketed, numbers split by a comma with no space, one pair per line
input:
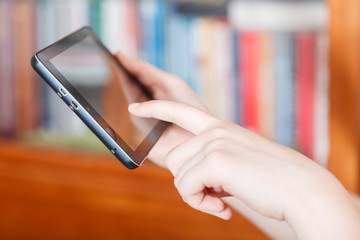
[216,144]
[220,131]
[170,160]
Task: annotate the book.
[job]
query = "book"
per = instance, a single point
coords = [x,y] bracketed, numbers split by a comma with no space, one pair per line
[267,85]
[224,89]
[152,24]
[285,89]
[207,68]
[248,60]
[237,78]
[7,87]
[95,16]
[321,101]
[26,88]
[305,80]
[132,29]
[114,35]
[278,16]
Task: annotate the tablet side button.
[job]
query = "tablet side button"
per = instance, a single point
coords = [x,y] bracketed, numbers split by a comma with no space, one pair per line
[63,92]
[74,104]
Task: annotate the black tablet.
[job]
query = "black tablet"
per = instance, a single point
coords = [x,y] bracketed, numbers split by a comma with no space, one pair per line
[98,89]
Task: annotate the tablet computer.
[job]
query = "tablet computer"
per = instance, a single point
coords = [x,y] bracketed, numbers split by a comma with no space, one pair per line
[98,89]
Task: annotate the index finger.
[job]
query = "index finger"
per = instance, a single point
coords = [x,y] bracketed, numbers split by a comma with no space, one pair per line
[182,114]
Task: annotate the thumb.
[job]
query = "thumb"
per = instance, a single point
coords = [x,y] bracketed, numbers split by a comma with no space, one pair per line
[182,114]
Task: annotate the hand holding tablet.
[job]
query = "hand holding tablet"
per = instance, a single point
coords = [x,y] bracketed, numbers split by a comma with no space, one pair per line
[96,86]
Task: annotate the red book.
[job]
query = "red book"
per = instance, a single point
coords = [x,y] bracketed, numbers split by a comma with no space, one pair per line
[248,45]
[26,86]
[305,78]
[132,28]
[7,87]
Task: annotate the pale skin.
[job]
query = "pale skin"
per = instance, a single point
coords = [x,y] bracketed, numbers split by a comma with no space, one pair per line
[219,166]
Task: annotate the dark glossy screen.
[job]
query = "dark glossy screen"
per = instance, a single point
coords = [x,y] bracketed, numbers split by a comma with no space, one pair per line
[106,90]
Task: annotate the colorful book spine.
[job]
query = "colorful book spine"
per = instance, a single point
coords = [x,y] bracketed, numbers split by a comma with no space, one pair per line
[152,14]
[305,69]
[7,87]
[193,53]
[235,80]
[208,66]
[249,59]
[27,90]
[267,84]
[95,16]
[114,35]
[132,29]
[285,102]
[224,93]
[238,80]
[46,34]
[321,101]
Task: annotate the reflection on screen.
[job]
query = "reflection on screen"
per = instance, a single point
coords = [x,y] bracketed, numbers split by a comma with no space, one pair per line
[106,87]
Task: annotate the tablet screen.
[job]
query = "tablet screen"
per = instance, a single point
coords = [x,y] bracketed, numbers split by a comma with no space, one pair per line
[105,89]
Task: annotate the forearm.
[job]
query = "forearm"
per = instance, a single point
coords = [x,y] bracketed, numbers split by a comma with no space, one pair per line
[326,212]
[273,228]
[356,199]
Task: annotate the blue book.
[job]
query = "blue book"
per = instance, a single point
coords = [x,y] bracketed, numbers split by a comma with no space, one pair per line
[152,32]
[192,57]
[46,34]
[180,43]
[95,16]
[236,78]
[160,34]
[285,89]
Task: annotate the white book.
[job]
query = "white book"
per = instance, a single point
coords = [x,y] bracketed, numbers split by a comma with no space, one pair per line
[321,101]
[198,52]
[113,23]
[224,90]
[278,15]
[207,38]
[78,14]
[46,22]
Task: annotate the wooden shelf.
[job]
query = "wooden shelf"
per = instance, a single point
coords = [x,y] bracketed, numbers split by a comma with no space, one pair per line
[344,62]
[51,194]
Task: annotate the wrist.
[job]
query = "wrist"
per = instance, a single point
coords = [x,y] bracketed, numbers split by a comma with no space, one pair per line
[323,209]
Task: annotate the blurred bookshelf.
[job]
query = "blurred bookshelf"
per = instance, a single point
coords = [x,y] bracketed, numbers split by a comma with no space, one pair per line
[288,70]
[266,73]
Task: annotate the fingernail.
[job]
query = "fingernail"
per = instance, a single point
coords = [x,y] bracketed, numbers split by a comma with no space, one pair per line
[133,106]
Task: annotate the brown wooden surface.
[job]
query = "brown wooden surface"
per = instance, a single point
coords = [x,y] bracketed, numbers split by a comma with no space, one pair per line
[344,91]
[52,194]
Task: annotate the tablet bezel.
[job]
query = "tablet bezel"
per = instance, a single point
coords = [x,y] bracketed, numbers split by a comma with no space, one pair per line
[41,63]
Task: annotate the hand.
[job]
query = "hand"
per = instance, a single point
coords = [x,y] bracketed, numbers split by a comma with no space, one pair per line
[225,159]
[163,86]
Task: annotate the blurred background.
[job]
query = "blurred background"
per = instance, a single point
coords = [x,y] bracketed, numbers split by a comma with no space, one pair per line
[287,70]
